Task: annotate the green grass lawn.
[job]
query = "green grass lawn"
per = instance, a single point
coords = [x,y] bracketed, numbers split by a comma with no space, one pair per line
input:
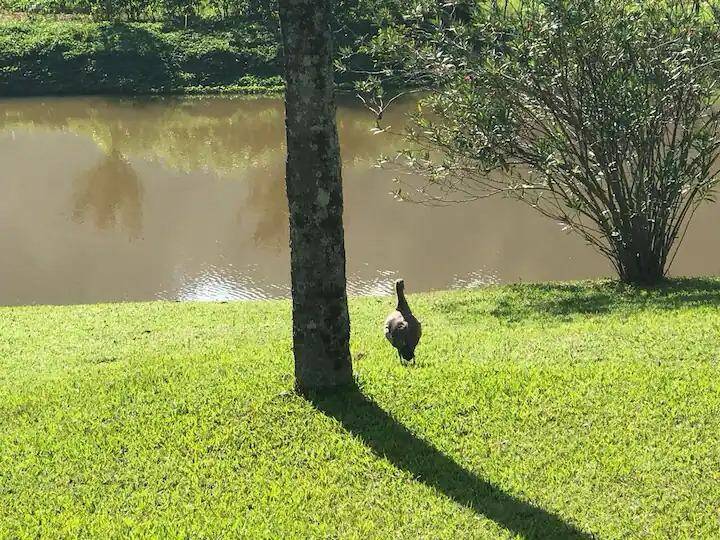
[553,411]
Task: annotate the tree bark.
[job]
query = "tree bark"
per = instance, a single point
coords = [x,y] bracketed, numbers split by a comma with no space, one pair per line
[321,323]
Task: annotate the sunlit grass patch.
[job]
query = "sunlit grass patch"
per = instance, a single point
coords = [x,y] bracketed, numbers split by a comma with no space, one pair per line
[543,411]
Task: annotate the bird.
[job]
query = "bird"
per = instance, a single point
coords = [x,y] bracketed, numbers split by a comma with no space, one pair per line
[402,329]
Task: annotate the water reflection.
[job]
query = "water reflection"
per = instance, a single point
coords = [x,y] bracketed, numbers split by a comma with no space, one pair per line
[222,284]
[119,199]
[110,194]
[265,205]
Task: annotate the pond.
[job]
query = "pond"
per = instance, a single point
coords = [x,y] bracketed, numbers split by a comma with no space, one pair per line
[113,199]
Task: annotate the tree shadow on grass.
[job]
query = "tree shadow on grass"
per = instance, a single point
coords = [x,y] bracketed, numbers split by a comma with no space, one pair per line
[390,439]
[563,300]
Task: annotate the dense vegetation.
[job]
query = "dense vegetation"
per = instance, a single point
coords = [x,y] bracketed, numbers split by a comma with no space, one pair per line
[351,13]
[61,57]
[533,409]
[143,10]
[600,114]
[104,47]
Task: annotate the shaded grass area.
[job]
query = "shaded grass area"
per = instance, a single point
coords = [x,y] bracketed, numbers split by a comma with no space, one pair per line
[537,411]
[47,56]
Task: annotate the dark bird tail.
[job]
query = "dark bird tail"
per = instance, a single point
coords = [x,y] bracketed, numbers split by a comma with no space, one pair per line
[402,305]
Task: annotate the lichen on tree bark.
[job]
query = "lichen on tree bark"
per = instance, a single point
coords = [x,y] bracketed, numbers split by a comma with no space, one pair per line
[321,323]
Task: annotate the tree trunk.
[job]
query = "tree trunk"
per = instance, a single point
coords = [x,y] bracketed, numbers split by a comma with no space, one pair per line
[640,253]
[321,324]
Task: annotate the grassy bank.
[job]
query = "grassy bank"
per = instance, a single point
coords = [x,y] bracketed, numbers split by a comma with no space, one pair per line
[553,411]
[46,56]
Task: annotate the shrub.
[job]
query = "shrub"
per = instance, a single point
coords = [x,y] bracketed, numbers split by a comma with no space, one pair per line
[600,114]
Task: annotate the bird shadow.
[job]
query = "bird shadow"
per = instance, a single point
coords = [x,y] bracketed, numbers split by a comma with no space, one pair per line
[388,438]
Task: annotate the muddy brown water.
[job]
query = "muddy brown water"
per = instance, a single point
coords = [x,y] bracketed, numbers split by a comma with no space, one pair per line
[109,199]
